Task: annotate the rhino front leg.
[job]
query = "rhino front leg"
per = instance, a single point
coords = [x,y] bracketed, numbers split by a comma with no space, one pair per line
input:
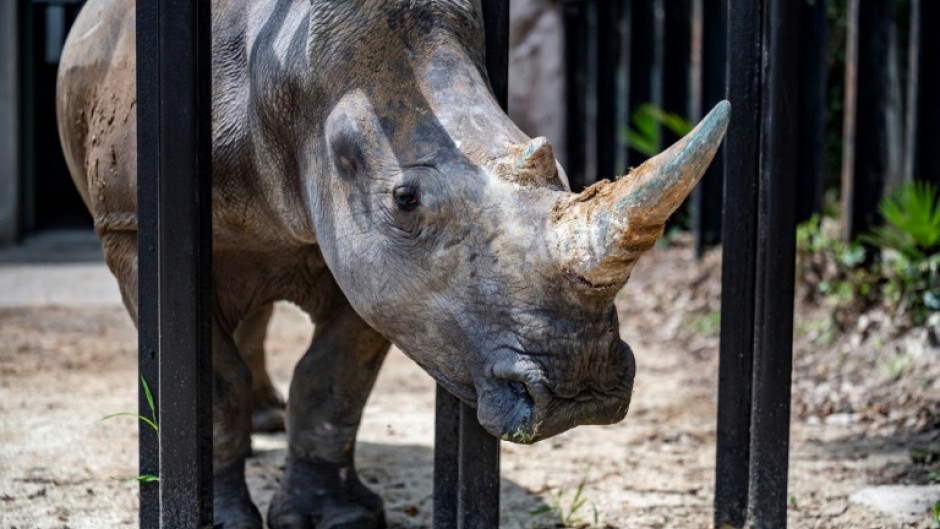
[267,406]
[320,488]
[231,433]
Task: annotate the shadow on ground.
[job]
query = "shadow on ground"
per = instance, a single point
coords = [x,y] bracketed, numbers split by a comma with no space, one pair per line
[403,476]
[906,457]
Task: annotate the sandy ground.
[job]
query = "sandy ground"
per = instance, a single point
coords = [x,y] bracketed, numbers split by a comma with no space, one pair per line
[63,367]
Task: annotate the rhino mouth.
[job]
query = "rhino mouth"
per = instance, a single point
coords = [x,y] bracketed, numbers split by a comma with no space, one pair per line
[516,404]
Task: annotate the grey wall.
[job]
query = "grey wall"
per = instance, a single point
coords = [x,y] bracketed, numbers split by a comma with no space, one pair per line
[9,133]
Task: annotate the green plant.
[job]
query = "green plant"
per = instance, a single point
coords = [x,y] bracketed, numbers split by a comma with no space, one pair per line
[852,280]
[936,513]
[645,135]
[933,477]
[571,516]
[912,221]
[149,421]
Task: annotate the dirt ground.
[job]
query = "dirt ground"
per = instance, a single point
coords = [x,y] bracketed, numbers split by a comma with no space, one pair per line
[855,422]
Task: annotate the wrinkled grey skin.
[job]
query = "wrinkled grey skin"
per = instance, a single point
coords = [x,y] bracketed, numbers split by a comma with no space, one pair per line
[362,170]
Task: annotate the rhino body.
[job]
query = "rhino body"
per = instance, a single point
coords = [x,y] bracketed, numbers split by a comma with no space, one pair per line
[363,171]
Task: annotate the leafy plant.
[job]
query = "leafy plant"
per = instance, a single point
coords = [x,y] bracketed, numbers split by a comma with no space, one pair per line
[912,221]
[645,136]
[149,421]
[569,516]
[936,513]
[851,279]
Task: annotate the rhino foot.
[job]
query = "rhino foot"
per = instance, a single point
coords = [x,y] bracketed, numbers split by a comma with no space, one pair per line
[231,503]
[323,495]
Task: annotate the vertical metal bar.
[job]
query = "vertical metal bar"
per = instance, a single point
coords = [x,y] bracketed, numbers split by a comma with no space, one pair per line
[621,15]
[175,212]
[148,161]
[9,123]
[446,459]
[478,482]
[496,23]
[574,22]
[27,115]
[707,199]
[478,489]
[865,141]
[773,334]
[813,47]
[609,60]
[645,60]
[590,94]
[739,235]
[676,63]
[923,111]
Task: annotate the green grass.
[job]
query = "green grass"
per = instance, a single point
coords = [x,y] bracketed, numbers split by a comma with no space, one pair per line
[149,421]
[572,514]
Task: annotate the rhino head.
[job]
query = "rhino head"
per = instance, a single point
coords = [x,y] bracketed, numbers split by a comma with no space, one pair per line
[457,237]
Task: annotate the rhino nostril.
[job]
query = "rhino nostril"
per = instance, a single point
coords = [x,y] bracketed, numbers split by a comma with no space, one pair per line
[521,393]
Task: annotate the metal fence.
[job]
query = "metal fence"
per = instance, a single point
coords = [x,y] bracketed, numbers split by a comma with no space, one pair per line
[683,56]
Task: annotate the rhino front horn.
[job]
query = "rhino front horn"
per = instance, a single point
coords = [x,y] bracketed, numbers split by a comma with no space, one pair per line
[600,233]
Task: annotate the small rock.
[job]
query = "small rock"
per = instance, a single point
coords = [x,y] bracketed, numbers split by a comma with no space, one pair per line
[842,419]
[898,501]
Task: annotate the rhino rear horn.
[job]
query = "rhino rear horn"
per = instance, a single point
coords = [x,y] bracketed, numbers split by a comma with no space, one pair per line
[600,233]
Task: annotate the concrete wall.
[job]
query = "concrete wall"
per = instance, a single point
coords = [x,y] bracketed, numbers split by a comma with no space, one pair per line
[537,70]
[9,131]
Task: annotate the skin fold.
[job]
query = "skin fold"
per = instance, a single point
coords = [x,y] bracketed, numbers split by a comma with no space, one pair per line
[363,171]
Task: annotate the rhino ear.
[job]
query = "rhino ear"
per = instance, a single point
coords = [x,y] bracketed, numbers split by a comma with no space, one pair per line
[345,143]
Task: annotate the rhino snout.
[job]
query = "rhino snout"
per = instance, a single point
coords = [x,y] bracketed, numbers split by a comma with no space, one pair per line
[515,402]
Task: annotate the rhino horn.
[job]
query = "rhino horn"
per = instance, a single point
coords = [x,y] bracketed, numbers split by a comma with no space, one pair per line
[600,233]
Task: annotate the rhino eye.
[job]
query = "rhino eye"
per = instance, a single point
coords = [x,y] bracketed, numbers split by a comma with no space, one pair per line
[406,197]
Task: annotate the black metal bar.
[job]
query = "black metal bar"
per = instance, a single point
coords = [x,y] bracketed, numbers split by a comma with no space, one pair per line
[478,489]
[923,111]
[865,139]
[575,84]
[496,24]
[812,78]
[646,53]
[773,334]
[676,65]
[10,127]
[27,115]
[610,70]
[739,235]
[590,93]
[478,456]
[712,36]
[174,106]
[148,161]
[446,459]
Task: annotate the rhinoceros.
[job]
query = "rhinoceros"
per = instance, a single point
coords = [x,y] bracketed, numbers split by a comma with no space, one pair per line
[363,170]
